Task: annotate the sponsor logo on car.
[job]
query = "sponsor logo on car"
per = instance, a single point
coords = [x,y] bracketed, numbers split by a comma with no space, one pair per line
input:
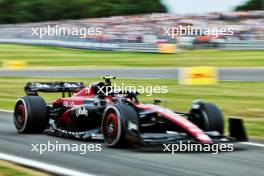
[68,104]
[39,85]
[69,85]
[81,111]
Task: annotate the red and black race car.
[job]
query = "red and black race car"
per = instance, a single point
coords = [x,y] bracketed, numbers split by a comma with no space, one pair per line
[117,117]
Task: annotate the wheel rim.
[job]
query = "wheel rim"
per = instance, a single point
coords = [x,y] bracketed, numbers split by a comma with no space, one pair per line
[111,128]
[20,116]
[111,125]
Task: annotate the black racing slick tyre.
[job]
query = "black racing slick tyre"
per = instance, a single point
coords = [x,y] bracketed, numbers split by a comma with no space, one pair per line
[208,117]
[30,115]
[120,126]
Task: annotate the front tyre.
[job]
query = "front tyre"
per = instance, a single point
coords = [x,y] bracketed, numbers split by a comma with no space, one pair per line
[30,115]
[120,126]
[207,116]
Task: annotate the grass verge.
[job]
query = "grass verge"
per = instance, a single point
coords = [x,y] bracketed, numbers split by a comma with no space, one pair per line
[57,56]
[10,169]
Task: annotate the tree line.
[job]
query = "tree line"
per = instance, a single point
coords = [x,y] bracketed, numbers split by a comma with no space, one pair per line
[20,11]
[251,5]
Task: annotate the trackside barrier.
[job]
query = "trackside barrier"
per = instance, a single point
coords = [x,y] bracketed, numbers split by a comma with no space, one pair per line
[133,47]
[243,45]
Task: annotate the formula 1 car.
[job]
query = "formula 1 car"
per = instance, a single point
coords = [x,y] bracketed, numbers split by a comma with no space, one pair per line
[117,117]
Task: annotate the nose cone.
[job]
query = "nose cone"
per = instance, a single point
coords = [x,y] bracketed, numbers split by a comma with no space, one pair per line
[204,138]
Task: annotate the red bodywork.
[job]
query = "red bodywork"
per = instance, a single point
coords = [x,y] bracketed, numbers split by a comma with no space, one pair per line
[76,100]
[190,128]
[79,97]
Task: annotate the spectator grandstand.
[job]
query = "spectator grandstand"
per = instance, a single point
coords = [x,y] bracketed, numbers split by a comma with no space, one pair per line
[147,28]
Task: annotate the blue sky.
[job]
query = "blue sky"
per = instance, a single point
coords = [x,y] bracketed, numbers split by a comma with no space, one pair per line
[201,6]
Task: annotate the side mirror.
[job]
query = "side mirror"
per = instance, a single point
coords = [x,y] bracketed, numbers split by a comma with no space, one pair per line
[157,101]
[108,79]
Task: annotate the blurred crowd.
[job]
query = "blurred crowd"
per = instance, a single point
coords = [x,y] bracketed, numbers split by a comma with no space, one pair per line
[149,28]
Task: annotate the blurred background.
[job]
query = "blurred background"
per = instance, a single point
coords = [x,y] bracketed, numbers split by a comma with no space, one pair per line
[132,36]
[132,44]
[125,22]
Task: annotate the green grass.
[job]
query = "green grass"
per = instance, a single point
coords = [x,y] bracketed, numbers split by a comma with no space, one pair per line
[236,99]
[57,56]
[6,171]
[11,169]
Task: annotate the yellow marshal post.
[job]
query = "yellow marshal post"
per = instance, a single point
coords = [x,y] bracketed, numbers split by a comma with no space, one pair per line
[198,76]
[14,65]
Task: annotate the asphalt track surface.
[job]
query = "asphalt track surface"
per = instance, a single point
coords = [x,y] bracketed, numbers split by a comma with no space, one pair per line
[245,160]
[227,74]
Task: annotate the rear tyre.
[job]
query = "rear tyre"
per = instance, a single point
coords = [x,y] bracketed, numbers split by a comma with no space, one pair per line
[207,116]
[30,115]
[120,126]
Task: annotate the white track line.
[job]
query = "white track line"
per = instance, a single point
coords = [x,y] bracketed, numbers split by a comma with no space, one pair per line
[253,144]
[42,166]
[2,110]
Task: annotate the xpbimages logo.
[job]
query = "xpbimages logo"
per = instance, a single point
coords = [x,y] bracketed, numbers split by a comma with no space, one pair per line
[188,30]
[61,147]
[65,31]
[148,90]
[192,147]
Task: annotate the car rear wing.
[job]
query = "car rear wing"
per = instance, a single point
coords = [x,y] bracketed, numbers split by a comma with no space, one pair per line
[32,88]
